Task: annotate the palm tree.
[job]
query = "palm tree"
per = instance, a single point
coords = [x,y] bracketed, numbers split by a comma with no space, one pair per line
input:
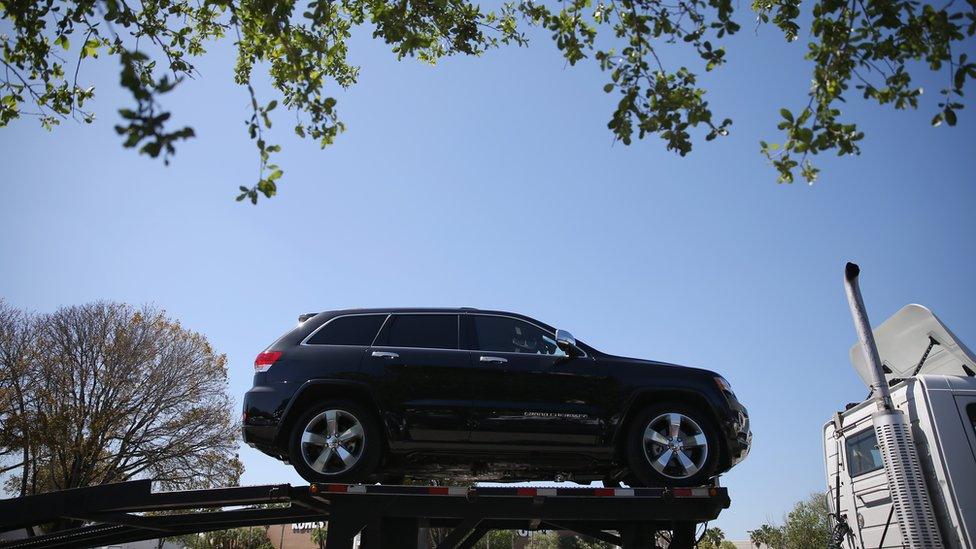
[319,534]
[756,537]
[767,535]
[714,537]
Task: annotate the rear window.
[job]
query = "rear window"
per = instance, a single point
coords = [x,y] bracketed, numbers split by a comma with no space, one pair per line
[348,330]
[863,455]
[427,331]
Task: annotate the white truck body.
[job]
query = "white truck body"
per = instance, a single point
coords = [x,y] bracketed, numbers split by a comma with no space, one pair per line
[940,403]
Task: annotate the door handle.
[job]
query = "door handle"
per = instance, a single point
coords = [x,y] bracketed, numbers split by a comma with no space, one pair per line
[385,354]
[493,359]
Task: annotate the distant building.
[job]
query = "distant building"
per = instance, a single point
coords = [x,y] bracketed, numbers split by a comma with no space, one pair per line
[297,536]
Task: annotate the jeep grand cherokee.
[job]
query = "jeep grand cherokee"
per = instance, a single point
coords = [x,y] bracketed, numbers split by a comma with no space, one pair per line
[474,395]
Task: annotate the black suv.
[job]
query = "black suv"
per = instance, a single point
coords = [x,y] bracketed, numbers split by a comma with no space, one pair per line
[471,395]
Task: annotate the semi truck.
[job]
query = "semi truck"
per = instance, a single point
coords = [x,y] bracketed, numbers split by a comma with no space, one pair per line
[901,465]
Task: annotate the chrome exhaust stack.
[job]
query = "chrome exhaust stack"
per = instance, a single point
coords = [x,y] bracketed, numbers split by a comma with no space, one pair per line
[906,483]
[879,386]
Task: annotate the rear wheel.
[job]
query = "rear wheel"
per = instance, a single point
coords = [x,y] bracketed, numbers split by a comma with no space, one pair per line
[672,445]
[338,441]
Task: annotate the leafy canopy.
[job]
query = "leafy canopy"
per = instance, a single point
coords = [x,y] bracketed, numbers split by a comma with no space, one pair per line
[875,45]
[807,526]
[248,537]
[105,392]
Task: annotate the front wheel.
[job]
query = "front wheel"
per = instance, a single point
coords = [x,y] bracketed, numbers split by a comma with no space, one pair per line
[672,445]
[337,441]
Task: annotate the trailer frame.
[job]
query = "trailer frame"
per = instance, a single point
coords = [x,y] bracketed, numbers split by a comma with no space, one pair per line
[387,516]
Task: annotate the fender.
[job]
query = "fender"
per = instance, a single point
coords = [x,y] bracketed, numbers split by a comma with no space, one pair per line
[289,414]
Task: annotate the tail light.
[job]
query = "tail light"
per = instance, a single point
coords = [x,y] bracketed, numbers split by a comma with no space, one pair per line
[265,360]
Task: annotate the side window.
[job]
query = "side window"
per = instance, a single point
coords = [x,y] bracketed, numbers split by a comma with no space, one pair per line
[428,331]
[510,335]
[348,330]
[863,455]
[971,410]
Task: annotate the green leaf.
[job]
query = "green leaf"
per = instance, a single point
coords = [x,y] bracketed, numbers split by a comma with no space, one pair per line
[950,117]
[90,49]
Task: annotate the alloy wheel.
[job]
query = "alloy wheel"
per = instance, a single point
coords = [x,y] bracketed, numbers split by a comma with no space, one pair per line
[675,445]
[333,442]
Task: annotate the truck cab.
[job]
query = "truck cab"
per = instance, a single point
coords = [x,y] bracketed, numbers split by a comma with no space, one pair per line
[931,377]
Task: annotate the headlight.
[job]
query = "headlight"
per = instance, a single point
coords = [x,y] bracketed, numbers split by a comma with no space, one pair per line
[724,385]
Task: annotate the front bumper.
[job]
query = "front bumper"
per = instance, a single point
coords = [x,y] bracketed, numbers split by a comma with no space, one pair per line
[741,432]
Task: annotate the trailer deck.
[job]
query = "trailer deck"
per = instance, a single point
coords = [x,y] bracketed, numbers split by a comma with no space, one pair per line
[388,516]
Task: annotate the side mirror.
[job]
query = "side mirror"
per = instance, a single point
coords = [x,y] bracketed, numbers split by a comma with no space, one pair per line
[567,343]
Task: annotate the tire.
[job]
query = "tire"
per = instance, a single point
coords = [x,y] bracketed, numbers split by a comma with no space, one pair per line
[323,455]
[697,441]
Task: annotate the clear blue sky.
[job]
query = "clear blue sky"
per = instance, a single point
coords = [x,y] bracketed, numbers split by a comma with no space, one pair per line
[494,182]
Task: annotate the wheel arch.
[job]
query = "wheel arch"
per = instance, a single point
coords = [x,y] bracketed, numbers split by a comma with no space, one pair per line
[316,390]
[682,395]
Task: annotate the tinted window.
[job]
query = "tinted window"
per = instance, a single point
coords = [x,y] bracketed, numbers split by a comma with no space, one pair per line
[430,331]
[348,330]
[971,409]
[510,335]
[863,455]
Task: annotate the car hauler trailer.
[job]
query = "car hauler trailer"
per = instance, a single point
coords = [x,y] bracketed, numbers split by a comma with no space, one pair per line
[901,466]
[387,516]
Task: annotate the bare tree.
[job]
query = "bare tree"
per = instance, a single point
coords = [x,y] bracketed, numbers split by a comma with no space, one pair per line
[112,393]
[17,353]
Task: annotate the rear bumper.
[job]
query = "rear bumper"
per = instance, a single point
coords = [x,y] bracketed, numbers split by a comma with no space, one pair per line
[264,408]
[257,437]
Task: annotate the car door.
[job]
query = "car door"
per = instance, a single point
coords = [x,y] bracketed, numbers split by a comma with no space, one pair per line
[528,390]
[422,377]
